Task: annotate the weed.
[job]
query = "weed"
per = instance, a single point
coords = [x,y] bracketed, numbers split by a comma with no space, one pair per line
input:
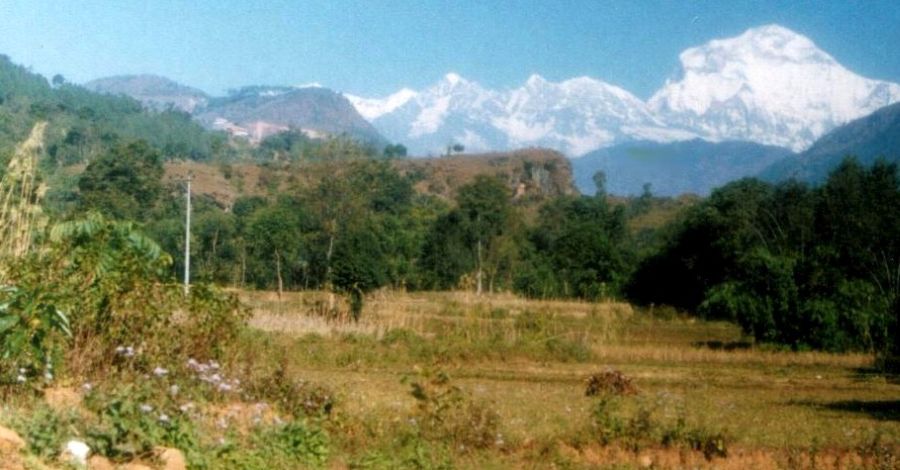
[638,429]
[610,382]
[296,441]
[446,413]
[46,430]
[881,451]
[408,450]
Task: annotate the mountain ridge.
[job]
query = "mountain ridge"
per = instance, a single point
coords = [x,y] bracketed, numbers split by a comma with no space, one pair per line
[873,136]
[769,85]
[252,112]
[673,168]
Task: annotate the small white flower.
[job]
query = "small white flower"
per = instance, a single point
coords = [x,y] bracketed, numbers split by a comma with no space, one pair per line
[21,379]
[214,365]
[48,376]
[163,418]
[146,408]
[186,407]
[215,378]
[22,370]
[160,372]
[87,387]
[224,387]
[173,390]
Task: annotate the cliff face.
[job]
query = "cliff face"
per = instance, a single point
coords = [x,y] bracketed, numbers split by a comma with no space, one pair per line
[530,174]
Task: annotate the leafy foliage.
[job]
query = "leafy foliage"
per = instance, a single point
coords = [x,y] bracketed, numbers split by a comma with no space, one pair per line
[792,265]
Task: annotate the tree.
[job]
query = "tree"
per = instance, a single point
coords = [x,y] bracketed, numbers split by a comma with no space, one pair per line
[481,215]
[600,183]
[578,249]
[273,234]
[394,150]
[125,183]
[455,148]
[359,263]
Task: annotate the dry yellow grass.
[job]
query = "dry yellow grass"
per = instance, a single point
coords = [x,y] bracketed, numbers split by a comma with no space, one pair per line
[779,406]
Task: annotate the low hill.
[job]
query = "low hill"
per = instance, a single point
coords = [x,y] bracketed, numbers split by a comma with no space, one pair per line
[252,112]
[868,138]
[83,124]
[155,92]
[531,175]
[691,166]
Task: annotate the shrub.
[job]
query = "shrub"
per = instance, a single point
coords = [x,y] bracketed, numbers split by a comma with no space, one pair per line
[33,331]
[98,286]
[445,413]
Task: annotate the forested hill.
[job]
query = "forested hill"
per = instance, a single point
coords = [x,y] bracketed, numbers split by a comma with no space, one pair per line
[84,124]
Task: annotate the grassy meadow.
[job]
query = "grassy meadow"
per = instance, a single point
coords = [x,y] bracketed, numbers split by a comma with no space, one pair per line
[528,362]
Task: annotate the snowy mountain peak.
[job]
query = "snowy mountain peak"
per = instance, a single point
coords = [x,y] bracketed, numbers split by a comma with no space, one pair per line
[453,79]
[535,81]
[771,45]
[769,85]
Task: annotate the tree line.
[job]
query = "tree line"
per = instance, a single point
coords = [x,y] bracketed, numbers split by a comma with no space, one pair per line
[807,267]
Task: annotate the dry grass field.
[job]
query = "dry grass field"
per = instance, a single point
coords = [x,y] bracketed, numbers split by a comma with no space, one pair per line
[528,361]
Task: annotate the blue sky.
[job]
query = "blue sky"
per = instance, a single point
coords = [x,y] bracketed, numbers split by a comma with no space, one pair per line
[376,47]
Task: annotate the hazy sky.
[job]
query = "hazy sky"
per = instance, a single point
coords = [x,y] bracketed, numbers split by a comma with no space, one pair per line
[376,47]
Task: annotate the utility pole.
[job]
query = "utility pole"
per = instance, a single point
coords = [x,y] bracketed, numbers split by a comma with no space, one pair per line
[187,239]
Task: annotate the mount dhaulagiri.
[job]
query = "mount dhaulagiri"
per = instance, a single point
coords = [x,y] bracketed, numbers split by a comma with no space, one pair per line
[874,136]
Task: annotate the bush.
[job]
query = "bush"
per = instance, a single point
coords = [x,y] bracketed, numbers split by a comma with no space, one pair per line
[445,413]
[99,286]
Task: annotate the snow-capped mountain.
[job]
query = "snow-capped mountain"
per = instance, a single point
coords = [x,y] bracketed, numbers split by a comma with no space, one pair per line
[574,116]
[769,85]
